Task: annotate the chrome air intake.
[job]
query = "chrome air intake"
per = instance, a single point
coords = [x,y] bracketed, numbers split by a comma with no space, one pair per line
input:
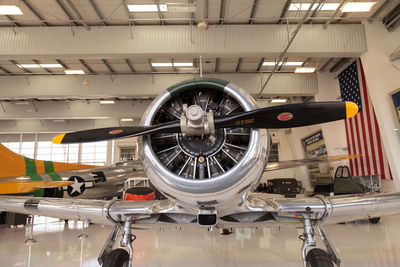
[206,170]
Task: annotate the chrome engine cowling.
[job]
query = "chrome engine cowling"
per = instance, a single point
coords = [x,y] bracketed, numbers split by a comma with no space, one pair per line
[208,170]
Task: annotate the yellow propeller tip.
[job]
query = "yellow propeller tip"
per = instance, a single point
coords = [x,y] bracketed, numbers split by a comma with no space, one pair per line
[351,109]
[58,139]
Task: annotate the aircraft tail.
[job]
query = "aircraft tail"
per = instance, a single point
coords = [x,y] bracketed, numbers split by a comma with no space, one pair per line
[13,164]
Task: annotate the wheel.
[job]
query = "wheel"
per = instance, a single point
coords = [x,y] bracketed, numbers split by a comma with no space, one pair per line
[374,220]
[319,258]
[117,258]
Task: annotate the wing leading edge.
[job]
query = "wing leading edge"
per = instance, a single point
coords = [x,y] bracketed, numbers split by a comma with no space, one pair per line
[257,208]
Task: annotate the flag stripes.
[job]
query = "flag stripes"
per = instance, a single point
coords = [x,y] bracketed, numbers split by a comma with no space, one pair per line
[362,131]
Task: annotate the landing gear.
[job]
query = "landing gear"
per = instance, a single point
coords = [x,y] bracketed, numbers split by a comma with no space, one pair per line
[317,257]
[118,257]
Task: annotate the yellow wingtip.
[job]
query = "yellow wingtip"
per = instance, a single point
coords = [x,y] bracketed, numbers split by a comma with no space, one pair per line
[351,109]
[58,139]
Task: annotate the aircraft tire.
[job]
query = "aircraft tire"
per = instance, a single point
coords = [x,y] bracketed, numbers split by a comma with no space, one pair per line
[374,220]
[117,258]
[319,258]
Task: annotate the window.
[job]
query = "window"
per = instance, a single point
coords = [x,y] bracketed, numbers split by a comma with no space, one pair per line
[127,154]
[274,153]
[94,153]
[13,146]
[61,153]
[26,149]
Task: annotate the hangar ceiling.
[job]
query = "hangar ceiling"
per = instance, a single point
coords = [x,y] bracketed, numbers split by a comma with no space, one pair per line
[119,50]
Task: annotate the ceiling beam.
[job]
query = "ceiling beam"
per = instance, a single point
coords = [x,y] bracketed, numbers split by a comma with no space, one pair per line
[86,66]
[316,10]
[38,63]
[66,12]
[160,16]
[128,13]
[105,62]
[5,70]
[30,7]
[62,64]
[253,11]
[128,62]
[339,64]
[379,10]
[323,68]
[216,65]
[78,14]
[284,10]
[260,65]
[98,13]
[16,63]
[13,23]
[239,62]
[222,12]
[334,13]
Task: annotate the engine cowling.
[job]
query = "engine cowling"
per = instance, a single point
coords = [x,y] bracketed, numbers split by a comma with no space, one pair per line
[209,170]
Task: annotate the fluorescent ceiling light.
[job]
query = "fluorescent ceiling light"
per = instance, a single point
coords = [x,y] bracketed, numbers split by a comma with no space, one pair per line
[286,64]
[126,119]
[50,65]
[74,72]
[304,70]
[170,64]
[10,10]
[59,120]
[22,103]
[161,64]
[348,7]
[147,8]
[278,100]
[37,66]
[105,102]
[183,64]
[306,6]
[358,6]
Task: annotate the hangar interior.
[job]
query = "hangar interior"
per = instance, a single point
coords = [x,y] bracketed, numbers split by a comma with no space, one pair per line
[69,65]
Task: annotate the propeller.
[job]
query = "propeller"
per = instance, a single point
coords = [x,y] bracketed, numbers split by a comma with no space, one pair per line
[284,116]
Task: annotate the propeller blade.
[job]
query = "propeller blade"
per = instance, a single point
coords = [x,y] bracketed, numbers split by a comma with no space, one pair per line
[290,115]
[102,134]
[284,116]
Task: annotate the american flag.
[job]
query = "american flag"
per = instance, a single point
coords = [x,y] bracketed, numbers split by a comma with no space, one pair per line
[362,130]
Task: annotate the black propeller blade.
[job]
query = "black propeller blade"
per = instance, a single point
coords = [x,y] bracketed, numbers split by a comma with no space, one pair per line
[284,116]
[102,134]
[290,115]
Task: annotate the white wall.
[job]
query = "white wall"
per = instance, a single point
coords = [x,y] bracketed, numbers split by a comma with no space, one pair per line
[382,77]
[334,132]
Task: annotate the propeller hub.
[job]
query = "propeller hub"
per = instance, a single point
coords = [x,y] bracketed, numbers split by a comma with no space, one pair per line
[196,122]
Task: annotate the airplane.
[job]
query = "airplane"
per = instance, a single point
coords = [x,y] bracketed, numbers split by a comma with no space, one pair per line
[204,146]
[23,175]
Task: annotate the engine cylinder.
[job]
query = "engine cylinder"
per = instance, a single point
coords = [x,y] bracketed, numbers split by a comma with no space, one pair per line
[208,170]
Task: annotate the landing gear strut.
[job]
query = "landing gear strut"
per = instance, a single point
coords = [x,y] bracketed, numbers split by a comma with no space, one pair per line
[317,257]
[118,257]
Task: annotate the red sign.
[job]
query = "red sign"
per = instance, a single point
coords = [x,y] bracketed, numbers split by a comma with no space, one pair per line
[285,116]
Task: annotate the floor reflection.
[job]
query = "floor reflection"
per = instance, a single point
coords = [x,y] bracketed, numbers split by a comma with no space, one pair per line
[358,244]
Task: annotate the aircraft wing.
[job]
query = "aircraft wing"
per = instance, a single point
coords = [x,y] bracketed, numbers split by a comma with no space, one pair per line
[256,209]
[14,187]
[273,166]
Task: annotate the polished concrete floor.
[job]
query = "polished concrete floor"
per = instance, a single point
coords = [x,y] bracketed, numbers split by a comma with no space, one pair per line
[358,244]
